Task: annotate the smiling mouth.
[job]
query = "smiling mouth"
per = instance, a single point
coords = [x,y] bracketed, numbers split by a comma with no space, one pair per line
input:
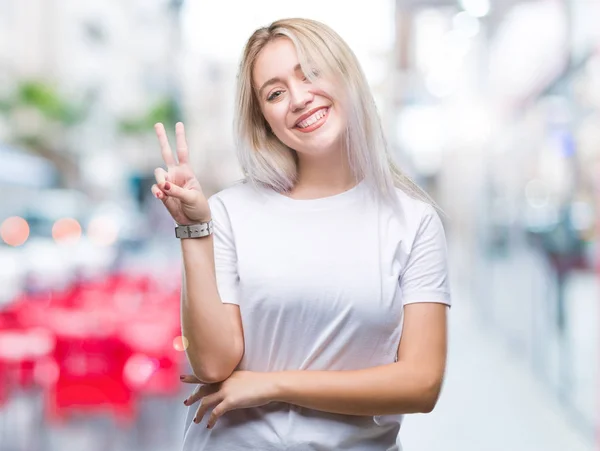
[314,121]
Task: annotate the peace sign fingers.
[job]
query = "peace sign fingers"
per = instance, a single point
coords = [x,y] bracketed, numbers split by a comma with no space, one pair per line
[182,148]
[165,148]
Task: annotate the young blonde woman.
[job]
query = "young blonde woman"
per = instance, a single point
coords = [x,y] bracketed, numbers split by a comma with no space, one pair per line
[315,291]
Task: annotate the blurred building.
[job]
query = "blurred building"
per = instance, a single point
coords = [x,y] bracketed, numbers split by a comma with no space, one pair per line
[208,100]
[478,92]
[113,60]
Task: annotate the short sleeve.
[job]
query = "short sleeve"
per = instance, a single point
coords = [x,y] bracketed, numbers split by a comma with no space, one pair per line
[425,277]
[225,253]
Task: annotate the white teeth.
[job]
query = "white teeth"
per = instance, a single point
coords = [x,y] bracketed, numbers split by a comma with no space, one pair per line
[313,118]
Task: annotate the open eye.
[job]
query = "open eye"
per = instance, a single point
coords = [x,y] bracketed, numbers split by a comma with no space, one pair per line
[274,95]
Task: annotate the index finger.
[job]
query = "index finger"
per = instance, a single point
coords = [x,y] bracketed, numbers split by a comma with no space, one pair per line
[181,143]
[165,148]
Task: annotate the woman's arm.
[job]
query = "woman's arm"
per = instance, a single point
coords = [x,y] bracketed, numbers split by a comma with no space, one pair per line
[410,385]
[213,329]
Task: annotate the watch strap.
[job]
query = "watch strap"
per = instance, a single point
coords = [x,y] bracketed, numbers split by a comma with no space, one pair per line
[194,230]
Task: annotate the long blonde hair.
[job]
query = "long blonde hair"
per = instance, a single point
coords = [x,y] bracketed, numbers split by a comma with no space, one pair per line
[266,160]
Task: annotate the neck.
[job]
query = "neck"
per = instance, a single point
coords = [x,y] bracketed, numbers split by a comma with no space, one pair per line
[323,175]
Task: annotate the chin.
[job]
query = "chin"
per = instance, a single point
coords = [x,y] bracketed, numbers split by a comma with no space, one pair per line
[319,142]
[321,145]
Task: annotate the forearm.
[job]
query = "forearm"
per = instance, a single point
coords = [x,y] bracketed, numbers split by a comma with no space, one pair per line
[396,388]
[212,350]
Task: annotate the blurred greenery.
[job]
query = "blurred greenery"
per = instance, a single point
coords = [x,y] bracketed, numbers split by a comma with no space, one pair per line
[4,106]
[46,99]
[48,114]
[40,118]
[165,110]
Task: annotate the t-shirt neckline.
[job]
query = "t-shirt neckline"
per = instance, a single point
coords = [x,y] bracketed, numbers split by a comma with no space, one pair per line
[334,200]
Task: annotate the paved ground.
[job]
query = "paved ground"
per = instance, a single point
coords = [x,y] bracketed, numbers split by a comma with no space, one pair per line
[491,401]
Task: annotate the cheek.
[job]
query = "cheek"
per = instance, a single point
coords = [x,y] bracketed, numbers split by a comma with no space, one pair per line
[340,115]
[276,117]
[328,88]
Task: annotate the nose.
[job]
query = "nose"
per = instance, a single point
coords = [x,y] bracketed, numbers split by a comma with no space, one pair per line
[300,98]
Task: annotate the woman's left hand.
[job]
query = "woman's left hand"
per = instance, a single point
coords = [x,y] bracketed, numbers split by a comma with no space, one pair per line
[241,390]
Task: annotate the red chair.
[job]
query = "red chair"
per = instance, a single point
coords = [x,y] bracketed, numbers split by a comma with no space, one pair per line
[91,360]
[22,345]
[154,366]
[94,346]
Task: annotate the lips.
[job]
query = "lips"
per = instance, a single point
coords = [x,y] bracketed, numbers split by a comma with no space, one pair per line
[309,114]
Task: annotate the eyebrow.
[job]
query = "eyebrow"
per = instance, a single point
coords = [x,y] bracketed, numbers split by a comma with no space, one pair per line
[274,80]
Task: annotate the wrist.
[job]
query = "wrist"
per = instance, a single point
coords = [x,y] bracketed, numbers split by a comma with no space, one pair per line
[277,386]
[190,222]
[199,230]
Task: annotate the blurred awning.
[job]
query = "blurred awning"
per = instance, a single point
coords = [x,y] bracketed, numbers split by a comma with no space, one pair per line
[20,168]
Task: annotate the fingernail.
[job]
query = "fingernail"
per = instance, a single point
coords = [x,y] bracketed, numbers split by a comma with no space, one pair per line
[181,377]
[185,401]
[167,186]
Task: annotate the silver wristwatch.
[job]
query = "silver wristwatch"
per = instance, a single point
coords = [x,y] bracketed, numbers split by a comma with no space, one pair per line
[194,230]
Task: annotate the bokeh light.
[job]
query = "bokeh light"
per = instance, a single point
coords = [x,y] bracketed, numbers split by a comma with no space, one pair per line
[66,230]
[139,369]
[476,8]
[14,231]
[46,372]
[537,193]
[102,231]
[466,24]
[180,343]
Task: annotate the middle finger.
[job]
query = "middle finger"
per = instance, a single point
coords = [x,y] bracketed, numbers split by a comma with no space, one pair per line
[207,402]
[203,391]
[182,148]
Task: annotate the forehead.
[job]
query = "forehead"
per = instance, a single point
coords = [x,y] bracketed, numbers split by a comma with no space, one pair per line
[276,59]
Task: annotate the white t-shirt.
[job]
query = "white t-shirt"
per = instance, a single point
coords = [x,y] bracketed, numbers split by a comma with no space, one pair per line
[321,285]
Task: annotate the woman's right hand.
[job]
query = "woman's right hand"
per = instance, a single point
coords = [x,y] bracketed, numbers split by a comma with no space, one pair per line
[177,187]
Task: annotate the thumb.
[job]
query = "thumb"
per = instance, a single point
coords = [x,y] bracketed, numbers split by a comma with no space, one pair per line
[186,196]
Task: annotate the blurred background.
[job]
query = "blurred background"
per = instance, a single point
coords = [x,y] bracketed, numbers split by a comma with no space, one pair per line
[492,106]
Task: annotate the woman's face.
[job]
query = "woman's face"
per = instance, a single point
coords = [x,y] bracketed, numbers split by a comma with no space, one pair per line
[303,115]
